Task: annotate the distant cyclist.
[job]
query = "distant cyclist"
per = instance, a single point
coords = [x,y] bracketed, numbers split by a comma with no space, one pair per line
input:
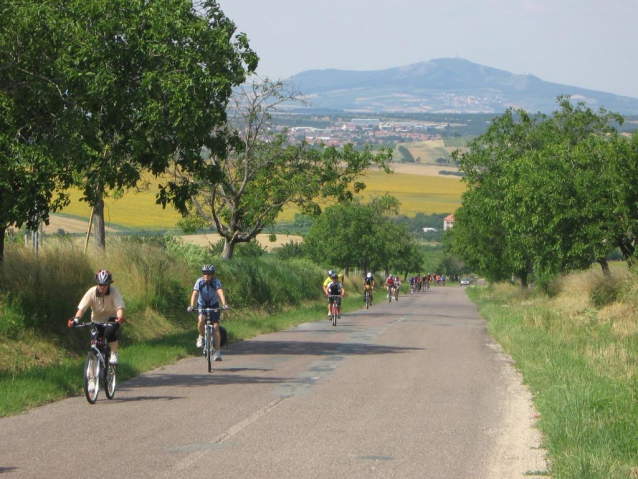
[106,303]
[389,284]
[326,282]
[335,291]
[206,294]
[368,284]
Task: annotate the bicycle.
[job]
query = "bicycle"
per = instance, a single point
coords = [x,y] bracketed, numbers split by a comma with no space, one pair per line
[335,308]
[396,292]
[390,293]
[209,344]
[367,297]
[97,366]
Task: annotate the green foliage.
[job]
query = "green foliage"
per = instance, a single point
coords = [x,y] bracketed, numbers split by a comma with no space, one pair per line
[292,249]
[350,235]
[88,96]
[546,194]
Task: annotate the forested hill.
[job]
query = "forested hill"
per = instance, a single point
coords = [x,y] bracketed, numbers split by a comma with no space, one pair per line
[445,85]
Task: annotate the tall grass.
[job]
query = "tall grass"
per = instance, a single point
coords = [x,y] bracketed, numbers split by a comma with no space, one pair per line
[579,356]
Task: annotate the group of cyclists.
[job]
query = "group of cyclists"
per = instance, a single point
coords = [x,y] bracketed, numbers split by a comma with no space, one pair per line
[107,305]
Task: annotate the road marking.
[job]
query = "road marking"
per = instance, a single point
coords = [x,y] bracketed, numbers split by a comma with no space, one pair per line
[203,449]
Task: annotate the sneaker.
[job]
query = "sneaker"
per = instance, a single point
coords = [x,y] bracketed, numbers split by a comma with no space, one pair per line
[217,356]
[200,342]
[329,316]
[113,358]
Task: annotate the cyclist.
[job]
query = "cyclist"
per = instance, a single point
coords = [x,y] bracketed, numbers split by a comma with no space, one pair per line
[326,282]
[397,284]
[206,293]
[389,284]
[368,284]
[412,280]
[106,302]
[335,288]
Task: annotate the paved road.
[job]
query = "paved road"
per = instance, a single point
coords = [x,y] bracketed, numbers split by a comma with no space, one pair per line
[412,389]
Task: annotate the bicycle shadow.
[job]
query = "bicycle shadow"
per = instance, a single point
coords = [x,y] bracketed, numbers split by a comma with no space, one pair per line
[265,346]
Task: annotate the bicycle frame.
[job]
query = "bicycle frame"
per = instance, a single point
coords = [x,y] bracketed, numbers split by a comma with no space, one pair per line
[335,307]
[102,370]
[209,341]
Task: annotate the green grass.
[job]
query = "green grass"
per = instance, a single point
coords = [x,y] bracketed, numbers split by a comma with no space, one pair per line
[581,365]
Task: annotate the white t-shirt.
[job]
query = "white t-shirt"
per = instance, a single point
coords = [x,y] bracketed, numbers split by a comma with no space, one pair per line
[102,307]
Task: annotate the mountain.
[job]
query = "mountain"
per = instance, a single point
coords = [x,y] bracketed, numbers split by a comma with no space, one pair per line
[444,85]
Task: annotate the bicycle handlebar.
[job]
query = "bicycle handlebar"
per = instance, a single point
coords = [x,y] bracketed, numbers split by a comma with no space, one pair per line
[206,310]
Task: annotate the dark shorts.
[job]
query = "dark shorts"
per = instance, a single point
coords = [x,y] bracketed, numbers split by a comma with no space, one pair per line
[111,332]
[333,298]
[214,317]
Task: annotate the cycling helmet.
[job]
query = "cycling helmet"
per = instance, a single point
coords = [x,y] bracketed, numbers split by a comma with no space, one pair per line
[103,276]
[208,268]
[390,276]
[369,275]
[330,273]
[333,275]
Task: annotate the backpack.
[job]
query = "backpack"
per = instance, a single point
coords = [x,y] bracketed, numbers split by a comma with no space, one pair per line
[223,337]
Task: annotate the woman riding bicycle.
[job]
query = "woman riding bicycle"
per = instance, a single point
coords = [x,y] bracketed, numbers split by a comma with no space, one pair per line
[206,293]
[106,303]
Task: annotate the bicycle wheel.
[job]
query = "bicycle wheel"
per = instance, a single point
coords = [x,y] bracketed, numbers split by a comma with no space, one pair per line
[209,348]
[91,377]
[110,380]
[367,300]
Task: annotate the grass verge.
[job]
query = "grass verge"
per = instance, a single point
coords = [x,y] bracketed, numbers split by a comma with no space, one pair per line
[581,364]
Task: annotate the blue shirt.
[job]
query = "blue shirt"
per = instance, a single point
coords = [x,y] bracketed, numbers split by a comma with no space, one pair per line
[207,292]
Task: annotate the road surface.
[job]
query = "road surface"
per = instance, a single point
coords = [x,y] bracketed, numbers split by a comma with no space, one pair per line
[412,389]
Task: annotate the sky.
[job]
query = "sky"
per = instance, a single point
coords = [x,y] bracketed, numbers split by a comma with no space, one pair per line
[584,43]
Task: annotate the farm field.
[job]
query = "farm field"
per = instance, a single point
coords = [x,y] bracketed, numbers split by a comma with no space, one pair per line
[429,151]
[419,188]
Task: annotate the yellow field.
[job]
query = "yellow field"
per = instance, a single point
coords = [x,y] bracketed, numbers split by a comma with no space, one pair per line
[418,193]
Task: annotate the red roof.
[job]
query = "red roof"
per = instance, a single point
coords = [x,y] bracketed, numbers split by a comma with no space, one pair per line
[449,218]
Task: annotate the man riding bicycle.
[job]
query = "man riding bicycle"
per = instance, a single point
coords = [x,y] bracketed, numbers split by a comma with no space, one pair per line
[368,285]
[389,284]
[206,293]
[106,303]
[326,282]
[335,291]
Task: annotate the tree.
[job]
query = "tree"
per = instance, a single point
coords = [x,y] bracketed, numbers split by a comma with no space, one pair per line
[246,186]
[544,193]
[149,84]
[35,139]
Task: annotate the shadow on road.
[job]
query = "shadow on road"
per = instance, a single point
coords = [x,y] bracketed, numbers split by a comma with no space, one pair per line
[318,348]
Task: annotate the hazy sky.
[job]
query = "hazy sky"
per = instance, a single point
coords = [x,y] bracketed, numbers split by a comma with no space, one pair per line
[586,43]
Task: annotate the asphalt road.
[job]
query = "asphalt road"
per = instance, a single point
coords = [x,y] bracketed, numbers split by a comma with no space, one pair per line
[412,389]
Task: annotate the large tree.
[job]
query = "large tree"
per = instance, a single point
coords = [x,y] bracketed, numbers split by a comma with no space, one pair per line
[36,140]
[262,172]
[149,82]
[546,193]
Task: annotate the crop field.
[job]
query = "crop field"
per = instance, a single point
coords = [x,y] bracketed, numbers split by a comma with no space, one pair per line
[418,193]
[430,150]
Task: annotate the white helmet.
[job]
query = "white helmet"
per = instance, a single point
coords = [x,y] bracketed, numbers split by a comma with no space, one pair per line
[369,275]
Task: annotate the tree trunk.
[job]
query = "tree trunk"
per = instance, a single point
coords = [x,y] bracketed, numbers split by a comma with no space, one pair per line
[229,249]
[2,235]
[98,225]
[605,266]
